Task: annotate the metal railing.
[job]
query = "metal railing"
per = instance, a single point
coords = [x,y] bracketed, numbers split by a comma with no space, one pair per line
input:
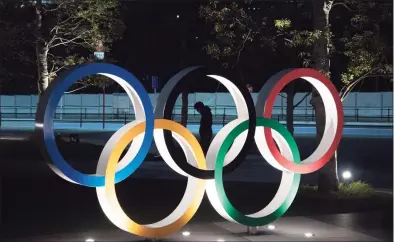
[221,114]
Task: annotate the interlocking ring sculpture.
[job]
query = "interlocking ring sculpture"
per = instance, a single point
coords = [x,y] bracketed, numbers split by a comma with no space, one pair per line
[205,174]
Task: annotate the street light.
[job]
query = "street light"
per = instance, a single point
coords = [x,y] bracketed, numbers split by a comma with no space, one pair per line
[309,234]
[271,227]
[177,16]
[346,175]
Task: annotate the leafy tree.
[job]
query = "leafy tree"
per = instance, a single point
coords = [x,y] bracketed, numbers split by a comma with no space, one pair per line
[237,30]
[64,32]
[367,55]
[367,45]
[99,81]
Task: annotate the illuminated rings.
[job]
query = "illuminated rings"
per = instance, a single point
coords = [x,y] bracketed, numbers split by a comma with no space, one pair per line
[236,155]
[47,107]
[333,122]
[187,207]
[227,150]
[287,189]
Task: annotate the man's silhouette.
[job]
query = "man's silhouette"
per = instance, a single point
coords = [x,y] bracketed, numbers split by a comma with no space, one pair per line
[205,125]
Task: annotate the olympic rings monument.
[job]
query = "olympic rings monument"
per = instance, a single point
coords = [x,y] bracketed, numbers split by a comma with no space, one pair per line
[204,173]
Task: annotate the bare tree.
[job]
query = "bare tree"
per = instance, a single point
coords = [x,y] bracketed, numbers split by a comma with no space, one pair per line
[64,32]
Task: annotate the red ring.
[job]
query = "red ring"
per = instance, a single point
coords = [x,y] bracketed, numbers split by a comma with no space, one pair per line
[287,78]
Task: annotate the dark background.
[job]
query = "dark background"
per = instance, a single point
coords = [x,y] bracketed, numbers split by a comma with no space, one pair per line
[152,46]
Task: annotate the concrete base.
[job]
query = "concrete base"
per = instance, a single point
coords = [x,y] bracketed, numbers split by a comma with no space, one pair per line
[252,230]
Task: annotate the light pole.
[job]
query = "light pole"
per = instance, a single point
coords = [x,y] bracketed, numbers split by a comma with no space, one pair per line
[100,55]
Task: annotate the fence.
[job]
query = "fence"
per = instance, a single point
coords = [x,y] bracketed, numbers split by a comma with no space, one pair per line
[358,107]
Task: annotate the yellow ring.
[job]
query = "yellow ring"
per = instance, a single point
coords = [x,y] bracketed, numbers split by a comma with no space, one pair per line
[122,220]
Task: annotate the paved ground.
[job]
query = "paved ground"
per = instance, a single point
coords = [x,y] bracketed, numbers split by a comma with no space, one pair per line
[374,168]
[39,206]
[324,228]
[371,165]
[51,209]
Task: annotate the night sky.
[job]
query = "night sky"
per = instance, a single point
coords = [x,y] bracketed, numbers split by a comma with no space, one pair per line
[152,45]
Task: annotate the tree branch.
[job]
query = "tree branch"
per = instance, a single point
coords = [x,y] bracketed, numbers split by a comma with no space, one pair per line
[342,4]
[59,5]
[77,89]
[306,95]
[63,41]
[60,68]
[242,47]
[348,88]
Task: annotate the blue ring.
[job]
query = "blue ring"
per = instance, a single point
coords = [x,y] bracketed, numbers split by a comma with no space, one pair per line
[60,86]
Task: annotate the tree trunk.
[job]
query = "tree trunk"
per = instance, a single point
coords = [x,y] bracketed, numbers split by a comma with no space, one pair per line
[41,51]
[185,91]
[2,73]
[103,107]
[42,67]
[328,177]
[290,93]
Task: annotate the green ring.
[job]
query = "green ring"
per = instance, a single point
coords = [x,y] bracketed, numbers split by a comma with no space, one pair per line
[228,207]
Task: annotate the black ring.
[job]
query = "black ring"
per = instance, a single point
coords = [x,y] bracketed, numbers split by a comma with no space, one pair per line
[179,157]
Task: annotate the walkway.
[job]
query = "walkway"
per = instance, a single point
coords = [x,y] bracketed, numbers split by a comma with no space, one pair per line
[340,227]
[254,169]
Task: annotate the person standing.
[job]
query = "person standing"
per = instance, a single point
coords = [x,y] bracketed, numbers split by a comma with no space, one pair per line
[205,130]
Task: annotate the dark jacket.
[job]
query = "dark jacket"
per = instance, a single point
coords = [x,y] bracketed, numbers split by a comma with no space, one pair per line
[206,120]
